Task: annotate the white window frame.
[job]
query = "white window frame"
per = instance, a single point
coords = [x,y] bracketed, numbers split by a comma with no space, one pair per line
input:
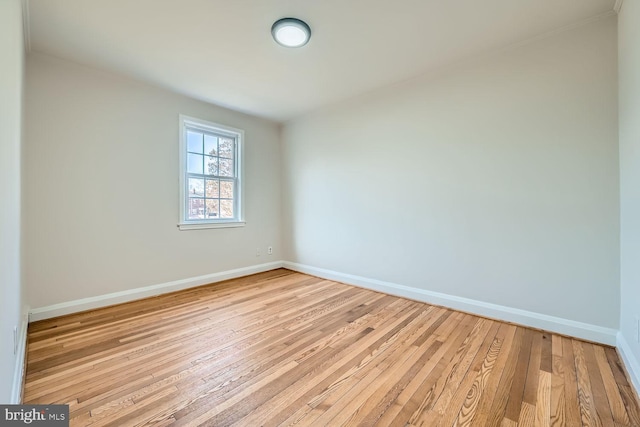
[238,134]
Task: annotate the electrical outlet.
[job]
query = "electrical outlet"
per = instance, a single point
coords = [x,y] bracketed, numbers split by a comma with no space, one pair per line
[15,340]
[257,251]
[270,250]
[638,329]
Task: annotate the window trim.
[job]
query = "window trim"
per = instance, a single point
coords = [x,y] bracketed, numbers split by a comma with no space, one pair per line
[207,126]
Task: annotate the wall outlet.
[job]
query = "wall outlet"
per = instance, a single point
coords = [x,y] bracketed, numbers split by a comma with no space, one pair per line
[270,250]
[638,329]
[15,340]
[257,251]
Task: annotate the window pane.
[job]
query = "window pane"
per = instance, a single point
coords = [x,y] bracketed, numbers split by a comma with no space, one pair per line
[194,141]
[226,208]
[226,189]
[212,208]
[210,145]
[194,163]
[226,148]
[196,187]
[213,188]
[195,208]
[226,167]
[211,166]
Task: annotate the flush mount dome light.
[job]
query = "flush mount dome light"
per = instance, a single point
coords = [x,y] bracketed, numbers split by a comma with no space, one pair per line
[291,32]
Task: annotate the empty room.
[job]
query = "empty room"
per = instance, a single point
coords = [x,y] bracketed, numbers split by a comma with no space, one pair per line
[323,213]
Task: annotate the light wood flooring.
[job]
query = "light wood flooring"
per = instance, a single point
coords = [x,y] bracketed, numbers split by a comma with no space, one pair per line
[283,348]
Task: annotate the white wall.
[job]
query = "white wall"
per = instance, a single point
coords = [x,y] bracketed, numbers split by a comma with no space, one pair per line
[101,186]
[11,81]
[629,120]
[496,180]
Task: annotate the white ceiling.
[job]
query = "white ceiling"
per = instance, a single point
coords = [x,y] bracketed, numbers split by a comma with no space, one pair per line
[221,51]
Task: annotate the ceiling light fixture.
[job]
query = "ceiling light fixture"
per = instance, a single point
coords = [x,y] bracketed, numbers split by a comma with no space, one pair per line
[291,32]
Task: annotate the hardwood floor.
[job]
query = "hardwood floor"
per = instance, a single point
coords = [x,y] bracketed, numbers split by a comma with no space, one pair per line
[282,348]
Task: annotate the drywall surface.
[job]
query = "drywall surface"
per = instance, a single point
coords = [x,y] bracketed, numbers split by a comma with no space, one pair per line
[102,192]
[495,180]
[11,83]
[629,120]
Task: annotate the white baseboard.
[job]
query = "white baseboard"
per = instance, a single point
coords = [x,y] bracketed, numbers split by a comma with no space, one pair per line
[19,369]
[531,319]
[144,292]
[630,361]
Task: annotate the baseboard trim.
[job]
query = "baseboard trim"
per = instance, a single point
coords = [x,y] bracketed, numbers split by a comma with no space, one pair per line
[631,363]
[531,319]
[83,304]
[21,357]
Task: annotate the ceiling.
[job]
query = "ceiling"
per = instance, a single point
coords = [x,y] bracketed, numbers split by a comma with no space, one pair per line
[221,51]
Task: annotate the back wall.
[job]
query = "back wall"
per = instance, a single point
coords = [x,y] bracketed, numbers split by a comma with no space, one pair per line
[495,180]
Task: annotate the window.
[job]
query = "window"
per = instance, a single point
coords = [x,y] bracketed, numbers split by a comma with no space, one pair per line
[210,175]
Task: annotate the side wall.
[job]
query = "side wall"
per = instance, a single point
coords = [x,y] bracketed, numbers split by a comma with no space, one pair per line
[629,113]
[495,181]
[11,300]
[101,187]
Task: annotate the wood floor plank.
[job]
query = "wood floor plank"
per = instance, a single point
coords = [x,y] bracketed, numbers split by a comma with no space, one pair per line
[498,406]
[527,416]
[470,404]
[430,389]
[627,395]
[460,379]
[505,334]
[543,400]
[516,392]
[618,410]
[588,413]
[284,348]
[396,377]
[558,396]
[420,380]
[341,369]
[530,393]
[600,399]
[283,400]
[572,402]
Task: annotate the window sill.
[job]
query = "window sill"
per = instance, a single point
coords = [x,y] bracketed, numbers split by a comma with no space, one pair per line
[205,225]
